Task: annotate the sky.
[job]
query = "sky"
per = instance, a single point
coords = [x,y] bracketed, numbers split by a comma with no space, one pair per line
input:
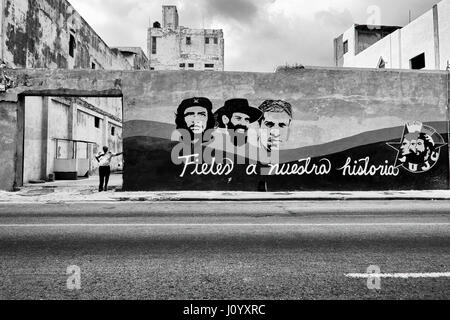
[259,34]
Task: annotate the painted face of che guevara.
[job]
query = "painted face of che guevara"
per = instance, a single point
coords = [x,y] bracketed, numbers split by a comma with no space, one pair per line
[274,129]
[196,119]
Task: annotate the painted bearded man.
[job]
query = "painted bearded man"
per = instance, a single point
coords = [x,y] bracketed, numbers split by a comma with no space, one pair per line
[416,148]
[235,118]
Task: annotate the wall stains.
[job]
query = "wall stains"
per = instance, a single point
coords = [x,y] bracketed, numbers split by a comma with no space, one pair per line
[38,35]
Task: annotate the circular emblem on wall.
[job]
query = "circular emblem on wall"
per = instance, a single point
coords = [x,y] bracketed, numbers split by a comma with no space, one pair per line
[419,148]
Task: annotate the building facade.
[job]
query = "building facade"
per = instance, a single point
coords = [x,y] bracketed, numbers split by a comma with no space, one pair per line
[422,44]
[62,135]
[135,56]
[174,47]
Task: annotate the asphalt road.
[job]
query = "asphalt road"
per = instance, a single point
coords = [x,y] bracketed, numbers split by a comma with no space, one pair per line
[233,250]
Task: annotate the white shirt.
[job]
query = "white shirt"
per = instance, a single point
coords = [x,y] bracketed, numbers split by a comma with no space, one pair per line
[105,159]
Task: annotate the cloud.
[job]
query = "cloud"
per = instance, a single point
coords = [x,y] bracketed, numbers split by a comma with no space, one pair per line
[334,19]
[259,34]
[239,10]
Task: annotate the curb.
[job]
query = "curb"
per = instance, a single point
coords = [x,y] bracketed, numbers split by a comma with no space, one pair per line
[187,199]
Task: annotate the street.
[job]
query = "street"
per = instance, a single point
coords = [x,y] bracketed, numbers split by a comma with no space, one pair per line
[225,250]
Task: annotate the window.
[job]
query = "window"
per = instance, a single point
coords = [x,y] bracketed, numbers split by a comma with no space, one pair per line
[190,65]
[93,67]
[418,62]
[97,122]
[209,65]
[345,46]
[153,45]
[206,40]
[113,130]
[72,45]
[182,65]
[215,40]
[188,40]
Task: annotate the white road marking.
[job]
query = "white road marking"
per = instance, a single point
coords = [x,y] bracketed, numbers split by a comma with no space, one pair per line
[231,225]
[399,275]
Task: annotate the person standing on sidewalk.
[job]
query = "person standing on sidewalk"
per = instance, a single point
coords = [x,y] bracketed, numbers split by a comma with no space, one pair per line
[104,159]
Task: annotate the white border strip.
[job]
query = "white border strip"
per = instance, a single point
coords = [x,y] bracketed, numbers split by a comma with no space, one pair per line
[398,275]
[227,225]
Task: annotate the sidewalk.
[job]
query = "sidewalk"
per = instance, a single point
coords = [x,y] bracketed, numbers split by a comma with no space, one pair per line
[86,191]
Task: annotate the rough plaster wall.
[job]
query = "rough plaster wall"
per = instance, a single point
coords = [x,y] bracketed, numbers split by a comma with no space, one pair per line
[199,52]
[349,35]
[170,17]
[87,131]
[37,36]
[329,104]
[444,32]
[115,144]
[417,38]
[109,105]
[338,114]
[388,48]
[173,50]
[33,146]
[58,127]
[167,49]
[8,130]
[366,39]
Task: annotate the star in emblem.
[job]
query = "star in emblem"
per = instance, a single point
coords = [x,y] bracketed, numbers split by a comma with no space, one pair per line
[410,134]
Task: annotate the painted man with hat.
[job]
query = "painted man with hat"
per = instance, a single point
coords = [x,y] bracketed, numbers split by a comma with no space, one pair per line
[231,142]
[195,124]
[236,116]
[194,116]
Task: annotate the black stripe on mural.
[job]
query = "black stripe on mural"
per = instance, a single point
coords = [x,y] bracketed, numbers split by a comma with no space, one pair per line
[371,166]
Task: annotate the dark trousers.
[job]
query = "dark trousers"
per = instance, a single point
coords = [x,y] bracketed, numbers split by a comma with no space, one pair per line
[104,178]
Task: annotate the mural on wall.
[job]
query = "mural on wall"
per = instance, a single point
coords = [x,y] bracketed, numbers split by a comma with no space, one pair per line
[419,149]
[251,148]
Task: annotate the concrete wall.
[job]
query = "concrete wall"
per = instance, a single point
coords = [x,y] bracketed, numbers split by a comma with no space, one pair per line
[8,142]
[37,34]
[51,118]
[86,130]
[135,57]
[172,49]
[345,134]
[339,116]
[444,32]
[170,17]
[59,128]
[46,119]
[36,130]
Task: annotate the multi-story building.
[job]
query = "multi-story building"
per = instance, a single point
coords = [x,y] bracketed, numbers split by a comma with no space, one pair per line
[173,47]
[422,44]
[62,135]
